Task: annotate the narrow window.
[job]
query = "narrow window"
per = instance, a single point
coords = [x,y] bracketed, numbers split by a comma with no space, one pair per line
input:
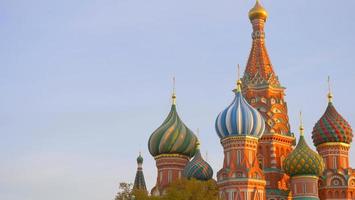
[335,162]
[304,188]
[228,158]
[170,176]
[160,176]
[239,159]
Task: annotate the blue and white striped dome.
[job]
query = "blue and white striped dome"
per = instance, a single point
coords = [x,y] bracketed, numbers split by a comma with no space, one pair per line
[240,118]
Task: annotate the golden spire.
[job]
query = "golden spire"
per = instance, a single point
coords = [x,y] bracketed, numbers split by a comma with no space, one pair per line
[330,95]
[258,12]
[301,125]
[238,87]
[173,96]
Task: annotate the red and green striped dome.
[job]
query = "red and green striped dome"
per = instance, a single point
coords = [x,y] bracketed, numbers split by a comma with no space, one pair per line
[198,168]
[332,127]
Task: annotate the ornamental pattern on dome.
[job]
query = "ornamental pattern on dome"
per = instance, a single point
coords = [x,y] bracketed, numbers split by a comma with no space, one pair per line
[303,161]
[198,168]
[172,137]
[332,127]
[239,118]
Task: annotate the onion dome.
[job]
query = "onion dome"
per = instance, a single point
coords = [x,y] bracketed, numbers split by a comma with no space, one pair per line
[198,168]
[303,161]
[173,136]
[331,127]
[140,159]
[258,12]
[239,118]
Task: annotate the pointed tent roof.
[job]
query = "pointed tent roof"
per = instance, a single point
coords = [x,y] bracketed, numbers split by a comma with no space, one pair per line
[139,181]
[259,71]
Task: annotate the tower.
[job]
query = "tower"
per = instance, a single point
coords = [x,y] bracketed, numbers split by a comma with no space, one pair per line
[239,127]
[198,168]
[264,92]
[332,135]
[139,181]
[171,145]
[304,166]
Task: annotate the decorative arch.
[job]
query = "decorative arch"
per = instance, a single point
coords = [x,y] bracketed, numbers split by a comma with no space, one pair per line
[351,182]
[336,180]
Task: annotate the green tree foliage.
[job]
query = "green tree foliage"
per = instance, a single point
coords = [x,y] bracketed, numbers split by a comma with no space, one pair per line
[192,190]
[125,191]
[180,190]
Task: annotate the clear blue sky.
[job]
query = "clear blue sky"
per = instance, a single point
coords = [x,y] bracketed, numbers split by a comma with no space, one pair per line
[84,83]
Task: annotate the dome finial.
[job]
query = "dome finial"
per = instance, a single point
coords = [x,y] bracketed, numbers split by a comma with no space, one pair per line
[173,96]
[238,87]
[258,12]
[330,95]
[301,125]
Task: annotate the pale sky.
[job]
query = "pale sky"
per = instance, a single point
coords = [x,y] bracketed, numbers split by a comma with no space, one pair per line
[83,84]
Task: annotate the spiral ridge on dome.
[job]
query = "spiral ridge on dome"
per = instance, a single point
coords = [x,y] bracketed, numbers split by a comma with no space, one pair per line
[172,137]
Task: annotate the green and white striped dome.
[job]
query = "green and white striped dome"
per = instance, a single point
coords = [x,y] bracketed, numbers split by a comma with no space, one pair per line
[172,137]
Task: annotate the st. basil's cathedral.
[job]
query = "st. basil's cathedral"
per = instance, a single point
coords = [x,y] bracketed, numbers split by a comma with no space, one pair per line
[261,158]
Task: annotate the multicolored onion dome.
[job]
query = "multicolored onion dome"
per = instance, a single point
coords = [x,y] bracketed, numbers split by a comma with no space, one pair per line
[258,12]
[331,127]
[303,161]
[172,137]
[239,119]
[198,168]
